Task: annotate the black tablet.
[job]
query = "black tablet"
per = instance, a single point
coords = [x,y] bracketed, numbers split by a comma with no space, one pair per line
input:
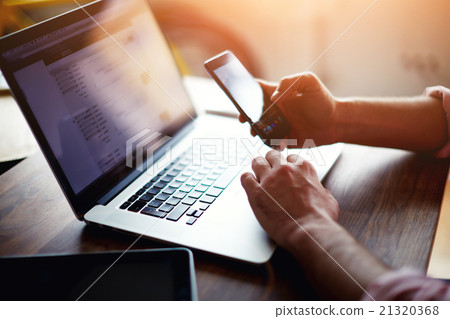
[157,274]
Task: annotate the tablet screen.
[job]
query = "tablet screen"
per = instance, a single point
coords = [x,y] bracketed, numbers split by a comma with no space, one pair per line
[165,274]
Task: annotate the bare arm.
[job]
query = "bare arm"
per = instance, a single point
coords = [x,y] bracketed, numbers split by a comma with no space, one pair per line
[335,263]
[416,123]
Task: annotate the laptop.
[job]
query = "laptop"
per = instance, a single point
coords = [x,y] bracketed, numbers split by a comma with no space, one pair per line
[104,98]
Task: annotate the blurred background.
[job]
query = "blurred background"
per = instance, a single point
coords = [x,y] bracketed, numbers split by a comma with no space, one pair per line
[398,48]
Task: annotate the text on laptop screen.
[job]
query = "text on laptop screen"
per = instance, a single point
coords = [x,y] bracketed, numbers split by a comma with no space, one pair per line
[95,84]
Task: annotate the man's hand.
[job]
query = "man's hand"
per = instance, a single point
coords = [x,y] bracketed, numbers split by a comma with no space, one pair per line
[307,104]
[284,193]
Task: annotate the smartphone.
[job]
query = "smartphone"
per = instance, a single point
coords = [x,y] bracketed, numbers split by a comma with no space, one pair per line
[145,275]
[248,97]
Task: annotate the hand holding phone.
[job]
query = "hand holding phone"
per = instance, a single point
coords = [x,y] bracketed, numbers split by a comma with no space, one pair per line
[248,97]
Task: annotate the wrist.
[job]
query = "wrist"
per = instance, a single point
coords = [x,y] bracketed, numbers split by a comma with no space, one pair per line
[342,116]
[304,232]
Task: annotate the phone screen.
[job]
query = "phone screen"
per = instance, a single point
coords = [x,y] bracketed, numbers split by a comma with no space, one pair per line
[243,87]
[248,97]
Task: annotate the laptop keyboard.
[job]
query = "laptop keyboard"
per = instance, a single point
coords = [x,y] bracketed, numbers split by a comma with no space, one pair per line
[184,188]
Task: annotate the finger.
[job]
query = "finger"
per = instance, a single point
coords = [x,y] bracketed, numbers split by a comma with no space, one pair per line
[285,84]
[267,87]
[275,158]
[295,159]
[261,167]
[249,182]
[243,120]
[292,85]
[251,186]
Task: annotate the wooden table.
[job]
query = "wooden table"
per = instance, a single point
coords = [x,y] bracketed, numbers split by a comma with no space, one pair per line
[389,199]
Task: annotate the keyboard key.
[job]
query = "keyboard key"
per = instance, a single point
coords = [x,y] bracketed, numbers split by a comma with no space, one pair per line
[203,171]
[191,221]
[125,205]
[184,162]
[153,212]
[168,168]
[173,201]
[227,176]
[177,212]
[195,194]
[207,199]
[192,182]
[160,185]
[203,206]
[153,191]
[213,176]
[187,173]
[162,197]
[219,171]
[192,168]
[141,191]
[155,203]
[201,188]
[154,179]
[173,173]
[175,184]
[197,177]
[182,178]
[198,213]
[207,181]
[169,190]
[189,201]
[137,206]
[185,188]
[179,195]
[146,197]
[179,167]
[163,172]
[148,185]
[165,208]
[191,212]
[214,191]
[133,198]
[167,179]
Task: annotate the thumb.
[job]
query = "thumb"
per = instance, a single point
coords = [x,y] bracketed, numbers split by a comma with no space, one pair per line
[290,86]
[267,87]
[282,88]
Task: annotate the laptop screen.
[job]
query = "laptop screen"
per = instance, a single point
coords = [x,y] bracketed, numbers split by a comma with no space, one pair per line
[93,84]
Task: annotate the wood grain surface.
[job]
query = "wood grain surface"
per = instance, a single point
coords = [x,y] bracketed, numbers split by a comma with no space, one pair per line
[389,200]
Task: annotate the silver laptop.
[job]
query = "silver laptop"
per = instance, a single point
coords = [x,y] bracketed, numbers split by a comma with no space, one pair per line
[104,98]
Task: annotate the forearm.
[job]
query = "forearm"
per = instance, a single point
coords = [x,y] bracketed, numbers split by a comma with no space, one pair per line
[417,124]
[334,262]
